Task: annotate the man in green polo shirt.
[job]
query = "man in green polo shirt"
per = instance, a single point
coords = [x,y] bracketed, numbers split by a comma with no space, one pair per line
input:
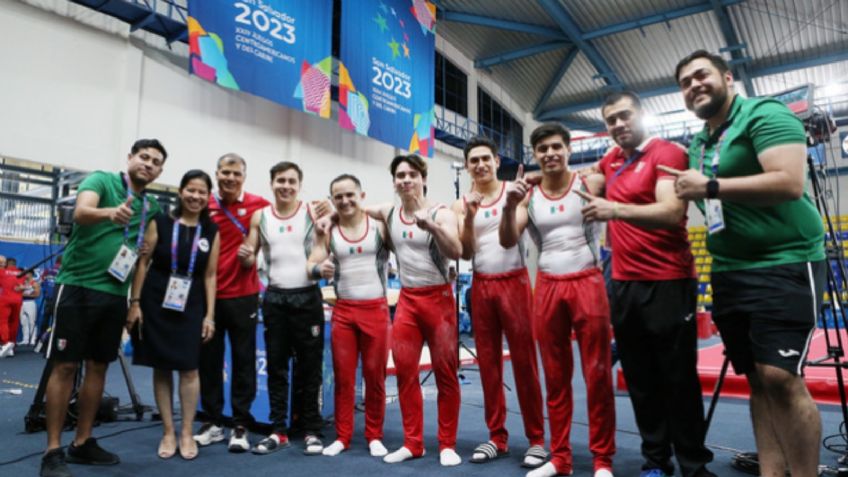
[111,214]
[747,174]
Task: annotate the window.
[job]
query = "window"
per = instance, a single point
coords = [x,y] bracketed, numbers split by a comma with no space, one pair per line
[451,86]
[497,123]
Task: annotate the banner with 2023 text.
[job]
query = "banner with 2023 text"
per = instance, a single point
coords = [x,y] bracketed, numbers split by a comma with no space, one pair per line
[386,72]
[277,49]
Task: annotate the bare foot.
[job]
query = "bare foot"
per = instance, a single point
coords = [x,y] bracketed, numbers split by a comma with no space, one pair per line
[188,447]
[167,446]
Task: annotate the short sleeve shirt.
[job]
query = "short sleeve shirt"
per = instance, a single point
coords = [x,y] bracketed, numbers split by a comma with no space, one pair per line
[234,280]
[639,253]
[92,248]
[755,236]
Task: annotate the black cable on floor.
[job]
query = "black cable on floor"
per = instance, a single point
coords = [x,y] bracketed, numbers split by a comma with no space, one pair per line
[105,436]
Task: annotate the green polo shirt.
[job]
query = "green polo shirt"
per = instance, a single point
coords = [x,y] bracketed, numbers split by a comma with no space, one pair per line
[755,236]
[91,249]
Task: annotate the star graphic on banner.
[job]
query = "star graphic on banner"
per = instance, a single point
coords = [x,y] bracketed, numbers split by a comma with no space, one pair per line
[381,22]
[401,24]
[394,12]
[406,37]
[405,51]
[395,46]
[384,7]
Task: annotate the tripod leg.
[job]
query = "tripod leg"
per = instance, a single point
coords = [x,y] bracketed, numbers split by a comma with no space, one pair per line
[137,406]
[716,394]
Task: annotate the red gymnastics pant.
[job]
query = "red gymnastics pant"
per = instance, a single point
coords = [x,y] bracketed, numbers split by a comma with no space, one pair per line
[10,317]
[501,305]
[576,301]
[360,326]
[426,313]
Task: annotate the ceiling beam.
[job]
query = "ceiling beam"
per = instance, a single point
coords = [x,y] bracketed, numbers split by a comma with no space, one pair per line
[731,40]
[507,56]
[562,18]
[755,72]
[554,82]
[660,17]
[471,19]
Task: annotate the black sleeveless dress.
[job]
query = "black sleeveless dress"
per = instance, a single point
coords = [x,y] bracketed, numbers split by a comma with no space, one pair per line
[171,339]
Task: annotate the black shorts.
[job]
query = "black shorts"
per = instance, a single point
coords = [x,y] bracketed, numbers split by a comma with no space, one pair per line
[767,315]
[87,324]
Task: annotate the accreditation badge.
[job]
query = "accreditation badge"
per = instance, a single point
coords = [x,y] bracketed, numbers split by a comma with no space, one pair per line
[123,263]
[176,295]
[715,216]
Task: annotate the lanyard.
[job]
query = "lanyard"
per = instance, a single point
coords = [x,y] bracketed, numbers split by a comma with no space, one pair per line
[716,157]
[230,216]
[630,160]
[141,226]
[175,237]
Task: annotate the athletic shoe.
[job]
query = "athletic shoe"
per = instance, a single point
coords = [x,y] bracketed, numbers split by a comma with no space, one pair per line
[653,473]
[312,445]
[7,350]
[91,454]
[703,472]
[238,440]
[53,464]
[209,434]
[603,473]
[271,444]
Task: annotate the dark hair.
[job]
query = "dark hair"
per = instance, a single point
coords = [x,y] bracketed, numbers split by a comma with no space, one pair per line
[617,96]
[11,260]
[345,177]
[716,60]
[478,141]
[230,158]
[547,130]
[413,160]
[284,166]
[149,143]
[188,177]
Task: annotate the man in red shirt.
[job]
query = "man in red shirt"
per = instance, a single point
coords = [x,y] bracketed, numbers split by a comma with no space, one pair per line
[654,290]
[10,307]
[236,308]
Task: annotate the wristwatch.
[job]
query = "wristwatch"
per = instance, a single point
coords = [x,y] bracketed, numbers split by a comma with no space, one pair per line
[712,189]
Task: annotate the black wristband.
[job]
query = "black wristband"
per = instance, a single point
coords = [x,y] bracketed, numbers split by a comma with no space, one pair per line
[316,272]
[712,189]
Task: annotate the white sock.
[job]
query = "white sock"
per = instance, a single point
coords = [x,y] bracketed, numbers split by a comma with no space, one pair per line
[603,473]
[377,448]
[399,455]
[480,455]
[333,449]
[547,470]
[449,458]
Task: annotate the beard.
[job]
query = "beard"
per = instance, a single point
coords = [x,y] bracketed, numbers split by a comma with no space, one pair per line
[633,141]
[713,106]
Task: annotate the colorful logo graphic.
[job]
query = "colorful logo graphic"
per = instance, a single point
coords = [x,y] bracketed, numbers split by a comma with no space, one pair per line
[207,58]
[353,111]
[314,87]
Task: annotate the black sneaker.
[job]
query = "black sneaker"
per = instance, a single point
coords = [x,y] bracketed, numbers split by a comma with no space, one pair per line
[53,464]
[91,454]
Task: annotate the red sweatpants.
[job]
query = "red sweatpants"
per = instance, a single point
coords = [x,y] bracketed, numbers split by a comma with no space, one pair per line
[501,305]
[360,326]
[426,313]
[576,301]
[10,318]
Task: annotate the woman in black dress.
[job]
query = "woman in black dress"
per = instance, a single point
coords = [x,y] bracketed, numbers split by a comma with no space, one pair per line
[173,305]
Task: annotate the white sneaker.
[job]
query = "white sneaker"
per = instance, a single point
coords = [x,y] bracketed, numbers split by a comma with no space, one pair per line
[209,434]
[603,473]
[238,440]
[7,350]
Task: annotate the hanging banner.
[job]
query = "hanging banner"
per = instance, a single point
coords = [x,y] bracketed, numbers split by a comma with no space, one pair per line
[277,49]
[386,73]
